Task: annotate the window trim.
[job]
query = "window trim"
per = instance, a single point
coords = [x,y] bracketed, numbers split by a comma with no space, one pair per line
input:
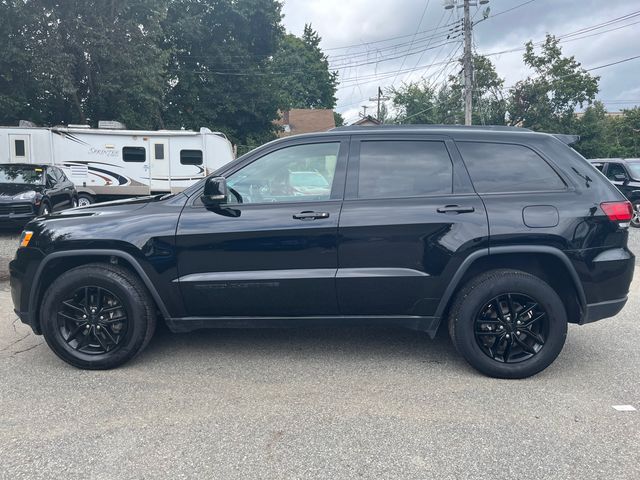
[353,172]
[339,178]
[136,147]
[567,185]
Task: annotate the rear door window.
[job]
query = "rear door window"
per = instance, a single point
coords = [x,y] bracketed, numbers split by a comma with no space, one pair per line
[615,169]
[403,168]
[508,168]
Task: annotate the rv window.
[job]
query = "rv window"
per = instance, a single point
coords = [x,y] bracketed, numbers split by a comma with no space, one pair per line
[134,154]
[191,157]
[19,144]
[159,147]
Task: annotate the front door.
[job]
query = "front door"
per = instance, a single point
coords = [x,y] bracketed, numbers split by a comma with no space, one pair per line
[271,251]
[409,218]
[20,148]
[160,175]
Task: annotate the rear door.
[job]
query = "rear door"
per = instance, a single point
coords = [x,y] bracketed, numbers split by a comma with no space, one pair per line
[409,218]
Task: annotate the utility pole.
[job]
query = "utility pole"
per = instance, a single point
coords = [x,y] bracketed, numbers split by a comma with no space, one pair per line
[468,65]
[467,59]
[379,98]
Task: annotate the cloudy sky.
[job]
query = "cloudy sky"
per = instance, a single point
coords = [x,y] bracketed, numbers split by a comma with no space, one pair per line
[388,42]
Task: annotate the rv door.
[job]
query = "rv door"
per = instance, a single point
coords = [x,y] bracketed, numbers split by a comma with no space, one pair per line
[160,170]
[20,148]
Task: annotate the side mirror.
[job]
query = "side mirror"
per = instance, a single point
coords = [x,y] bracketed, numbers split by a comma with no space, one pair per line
[620,177]
[215,191]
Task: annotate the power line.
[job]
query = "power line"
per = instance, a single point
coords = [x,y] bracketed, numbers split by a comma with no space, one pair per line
[414,37]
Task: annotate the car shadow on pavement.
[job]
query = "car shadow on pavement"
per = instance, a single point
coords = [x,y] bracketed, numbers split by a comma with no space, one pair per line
[319,343]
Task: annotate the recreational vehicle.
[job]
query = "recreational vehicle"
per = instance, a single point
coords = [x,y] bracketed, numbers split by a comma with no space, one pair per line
[111,162]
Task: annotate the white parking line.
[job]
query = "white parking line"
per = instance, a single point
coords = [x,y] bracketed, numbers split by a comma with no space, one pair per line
[624,408]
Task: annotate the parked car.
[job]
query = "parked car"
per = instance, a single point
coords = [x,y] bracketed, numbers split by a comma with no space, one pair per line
[27,191]
[501,235]
[624,174]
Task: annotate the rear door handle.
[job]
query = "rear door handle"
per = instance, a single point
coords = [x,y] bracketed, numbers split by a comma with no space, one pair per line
[310,215]
[455,209]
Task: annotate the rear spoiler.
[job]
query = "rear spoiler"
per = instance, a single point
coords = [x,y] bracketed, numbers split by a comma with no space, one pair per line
[567,139]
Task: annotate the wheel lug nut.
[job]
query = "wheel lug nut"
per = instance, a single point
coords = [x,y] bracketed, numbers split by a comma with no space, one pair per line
[84,316]
[517,332]
[507,335]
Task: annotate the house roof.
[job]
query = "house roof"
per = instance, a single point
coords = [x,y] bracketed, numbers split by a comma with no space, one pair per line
[299,120]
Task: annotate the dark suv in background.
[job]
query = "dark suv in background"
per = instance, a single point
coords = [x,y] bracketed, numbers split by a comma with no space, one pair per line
[29,190]
[624,174]
[501,234]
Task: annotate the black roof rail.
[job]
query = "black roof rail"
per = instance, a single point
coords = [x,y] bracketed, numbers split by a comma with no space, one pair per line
[497,128]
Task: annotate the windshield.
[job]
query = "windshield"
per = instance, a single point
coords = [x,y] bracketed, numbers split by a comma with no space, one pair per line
[634,169]
[21,174]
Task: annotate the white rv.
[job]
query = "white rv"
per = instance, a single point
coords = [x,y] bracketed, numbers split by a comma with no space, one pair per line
[111,162]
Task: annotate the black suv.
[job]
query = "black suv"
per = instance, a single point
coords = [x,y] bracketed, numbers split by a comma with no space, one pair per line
[624,174]
[28,190]
[502,234]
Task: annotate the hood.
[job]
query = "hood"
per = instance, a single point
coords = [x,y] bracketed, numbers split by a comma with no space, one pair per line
[109,208]
[10,190]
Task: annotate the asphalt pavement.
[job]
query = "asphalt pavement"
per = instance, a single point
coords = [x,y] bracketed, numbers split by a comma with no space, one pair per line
[319,403]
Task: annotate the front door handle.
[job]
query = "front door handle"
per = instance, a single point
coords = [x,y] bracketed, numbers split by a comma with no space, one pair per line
[455,209]
[310,215]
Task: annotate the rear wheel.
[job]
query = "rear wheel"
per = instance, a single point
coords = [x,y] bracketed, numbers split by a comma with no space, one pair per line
[97,316]
[635,220]
[508,324]
[84,199]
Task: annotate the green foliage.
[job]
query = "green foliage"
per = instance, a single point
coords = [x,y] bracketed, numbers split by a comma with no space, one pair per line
[225,64]
[424,103]
[338,119]
[547,100]
[302,73]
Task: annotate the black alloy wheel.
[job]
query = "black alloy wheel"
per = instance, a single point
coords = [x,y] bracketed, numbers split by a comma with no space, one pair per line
[511,327]
[97,316]
[93,321]
[508,323]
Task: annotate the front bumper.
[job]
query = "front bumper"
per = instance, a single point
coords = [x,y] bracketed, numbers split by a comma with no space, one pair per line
[16,214]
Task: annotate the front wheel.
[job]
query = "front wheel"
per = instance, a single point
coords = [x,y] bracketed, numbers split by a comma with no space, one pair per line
[635,220]
[84,199]
[97,316]
[508,324]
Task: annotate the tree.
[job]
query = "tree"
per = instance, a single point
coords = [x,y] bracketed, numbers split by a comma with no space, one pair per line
[302,72]
[219,69]
[90,60]
[424,103]
[548,100]
[593,128]
[338,119]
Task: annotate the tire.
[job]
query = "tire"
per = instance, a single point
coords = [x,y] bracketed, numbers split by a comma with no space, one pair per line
[45,209]
[74,202]
[635,220]
[84,199]
[480,332]
[85,350]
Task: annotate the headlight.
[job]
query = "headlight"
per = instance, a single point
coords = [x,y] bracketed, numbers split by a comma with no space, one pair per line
[30,195]
[25,238]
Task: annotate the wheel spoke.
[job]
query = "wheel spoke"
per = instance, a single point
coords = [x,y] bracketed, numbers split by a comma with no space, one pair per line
[498,309]
[111,309]
[108,334]
[533,335]
[84,341]
[69,317]
[507,350]
[512,310]
[67,303]
[525,347]
[496,343]
[97,336]
[533,320]
[74,334]
[526,311]
[109,321]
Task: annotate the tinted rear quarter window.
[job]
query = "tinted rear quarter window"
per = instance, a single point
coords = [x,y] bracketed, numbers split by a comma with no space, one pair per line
[396,169]
[500,168]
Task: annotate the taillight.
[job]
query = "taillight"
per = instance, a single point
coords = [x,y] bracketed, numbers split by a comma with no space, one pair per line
[618,211]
